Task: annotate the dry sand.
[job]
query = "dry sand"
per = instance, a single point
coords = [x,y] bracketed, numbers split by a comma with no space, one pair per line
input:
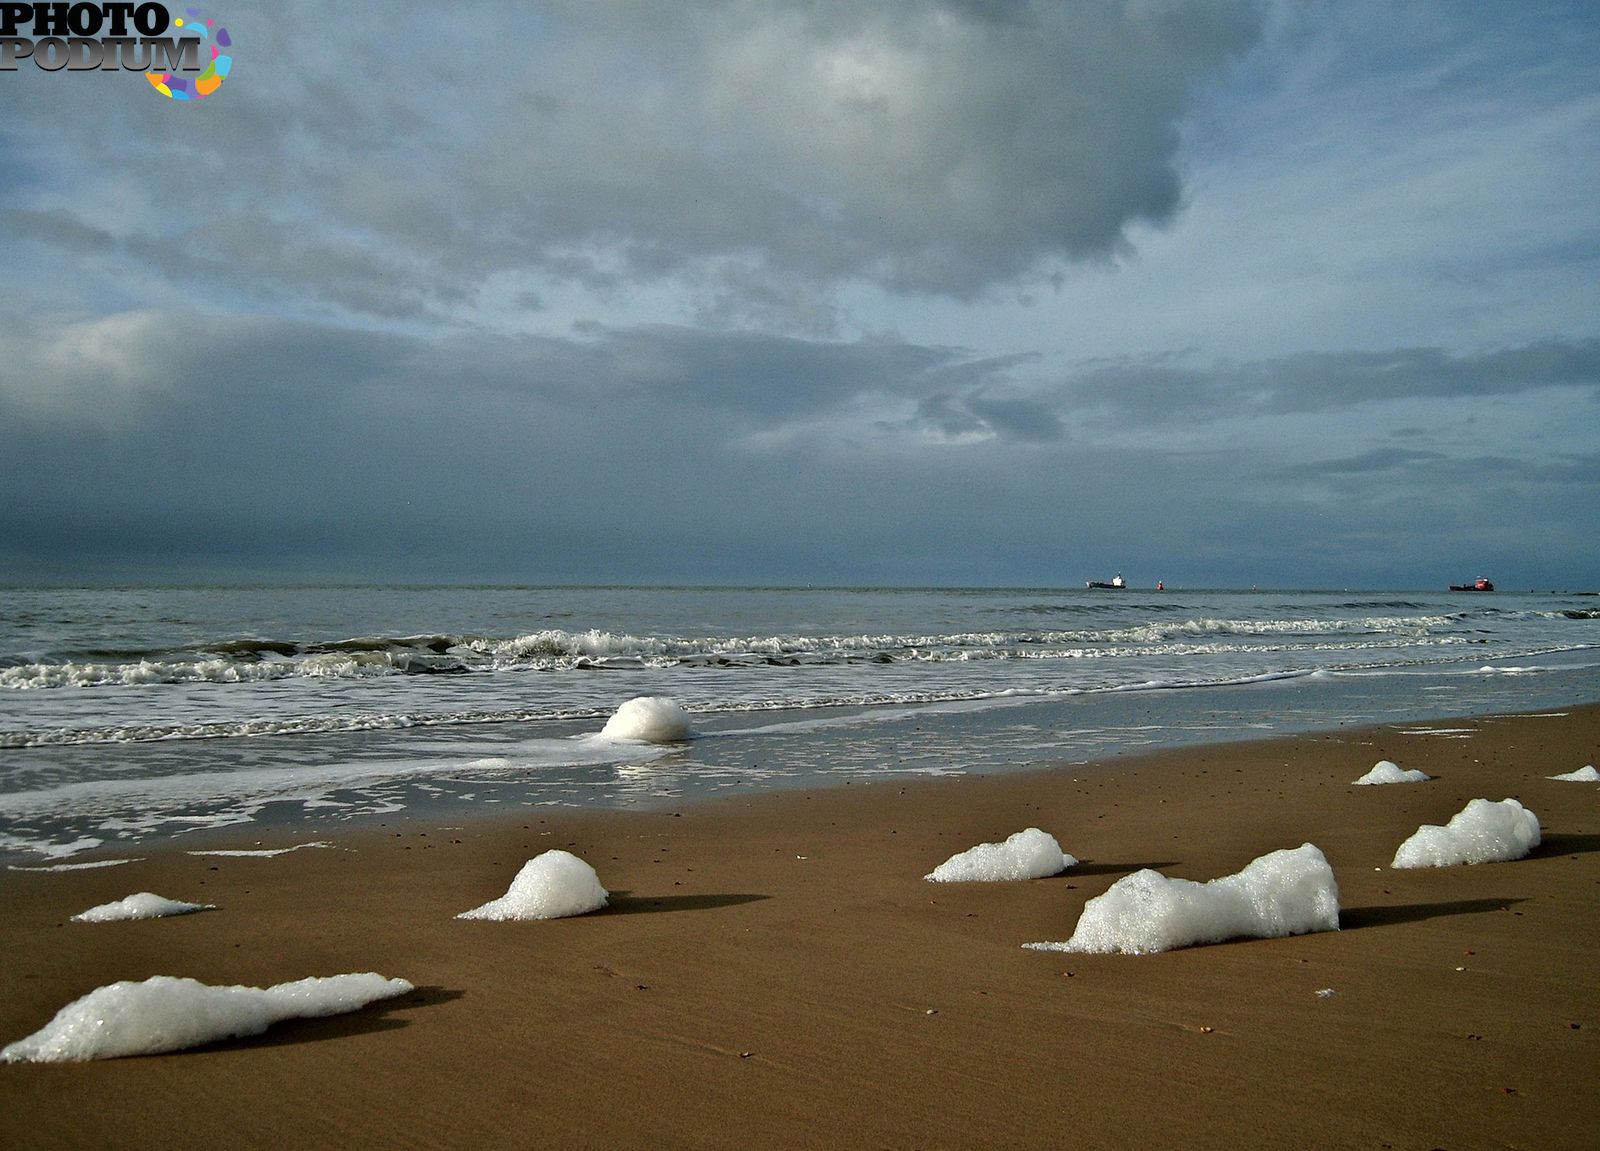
[774,972]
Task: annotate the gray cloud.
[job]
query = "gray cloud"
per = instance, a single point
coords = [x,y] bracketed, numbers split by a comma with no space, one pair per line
[1378,460]
[762,151]
[1159,391]
[290,327]
[672,453]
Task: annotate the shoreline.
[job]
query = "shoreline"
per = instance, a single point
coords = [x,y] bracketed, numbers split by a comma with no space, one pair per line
[774,971]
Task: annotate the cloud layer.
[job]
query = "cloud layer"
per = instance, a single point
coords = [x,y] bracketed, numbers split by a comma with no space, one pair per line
[923,291]
[761,149]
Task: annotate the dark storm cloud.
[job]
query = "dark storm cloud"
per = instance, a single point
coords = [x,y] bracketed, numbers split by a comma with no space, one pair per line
[914,144]
[609,454]
[665,453]
[764,151]
[562,291]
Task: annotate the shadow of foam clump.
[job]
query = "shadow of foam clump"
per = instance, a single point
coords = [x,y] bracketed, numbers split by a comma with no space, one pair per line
[1093,867]
[1356,918]
[373,1018]
[626,903]
[1566,845]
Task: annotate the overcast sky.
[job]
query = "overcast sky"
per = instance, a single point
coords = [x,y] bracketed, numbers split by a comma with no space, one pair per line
[916,291]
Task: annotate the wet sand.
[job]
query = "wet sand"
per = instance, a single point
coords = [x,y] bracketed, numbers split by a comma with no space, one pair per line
[774,972]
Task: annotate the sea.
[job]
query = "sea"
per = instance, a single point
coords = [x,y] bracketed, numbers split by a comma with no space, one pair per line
[136,716]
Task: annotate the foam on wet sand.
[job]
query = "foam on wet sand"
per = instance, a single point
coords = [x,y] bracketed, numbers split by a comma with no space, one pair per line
[774,971]
[1027,854]
[1481,832]
[141,905]
[165,1013]
[1288,892]
[1586,774]
[649,719]
[553,885]
[1387,771]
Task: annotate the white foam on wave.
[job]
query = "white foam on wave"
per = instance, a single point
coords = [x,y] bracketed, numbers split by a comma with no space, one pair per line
[141,905]
[49,850]
[1387,771]
[1481,832]
[552,885]
[1028,854]
[165,1013]
[649,719]
[1287,892]
[1586,774]
[222,798]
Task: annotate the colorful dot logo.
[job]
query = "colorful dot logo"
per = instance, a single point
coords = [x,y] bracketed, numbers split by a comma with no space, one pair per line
[213,39]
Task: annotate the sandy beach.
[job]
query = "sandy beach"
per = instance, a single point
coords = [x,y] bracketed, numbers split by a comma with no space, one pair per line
[773,971]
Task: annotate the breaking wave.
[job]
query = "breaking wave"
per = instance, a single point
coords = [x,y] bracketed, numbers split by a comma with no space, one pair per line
[257,660]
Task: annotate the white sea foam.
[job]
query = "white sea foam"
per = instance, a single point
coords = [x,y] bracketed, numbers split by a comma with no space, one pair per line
[1481,832]
[142,905]
[1029,854]
[87,866]
[258,852]
[551,885]
[47,849]
[1583,775]
[1387,771]
[165,1013]
[649,719]
[1287,892]
[256,661]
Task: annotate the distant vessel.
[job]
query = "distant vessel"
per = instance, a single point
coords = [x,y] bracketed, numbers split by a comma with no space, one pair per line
[1116,583]
[1479,584]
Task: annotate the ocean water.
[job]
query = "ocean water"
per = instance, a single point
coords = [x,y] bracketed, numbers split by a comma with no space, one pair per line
[130,716]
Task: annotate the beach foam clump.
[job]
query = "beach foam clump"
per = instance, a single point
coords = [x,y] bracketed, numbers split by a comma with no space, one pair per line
[1583,775]
[143,905]
[551,885]
[165,1013]
[1387,771]
[649,719]
[1029,854]
[1481,832]
[1289,892]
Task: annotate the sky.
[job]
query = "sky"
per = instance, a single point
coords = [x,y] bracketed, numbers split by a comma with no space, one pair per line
[921,292]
